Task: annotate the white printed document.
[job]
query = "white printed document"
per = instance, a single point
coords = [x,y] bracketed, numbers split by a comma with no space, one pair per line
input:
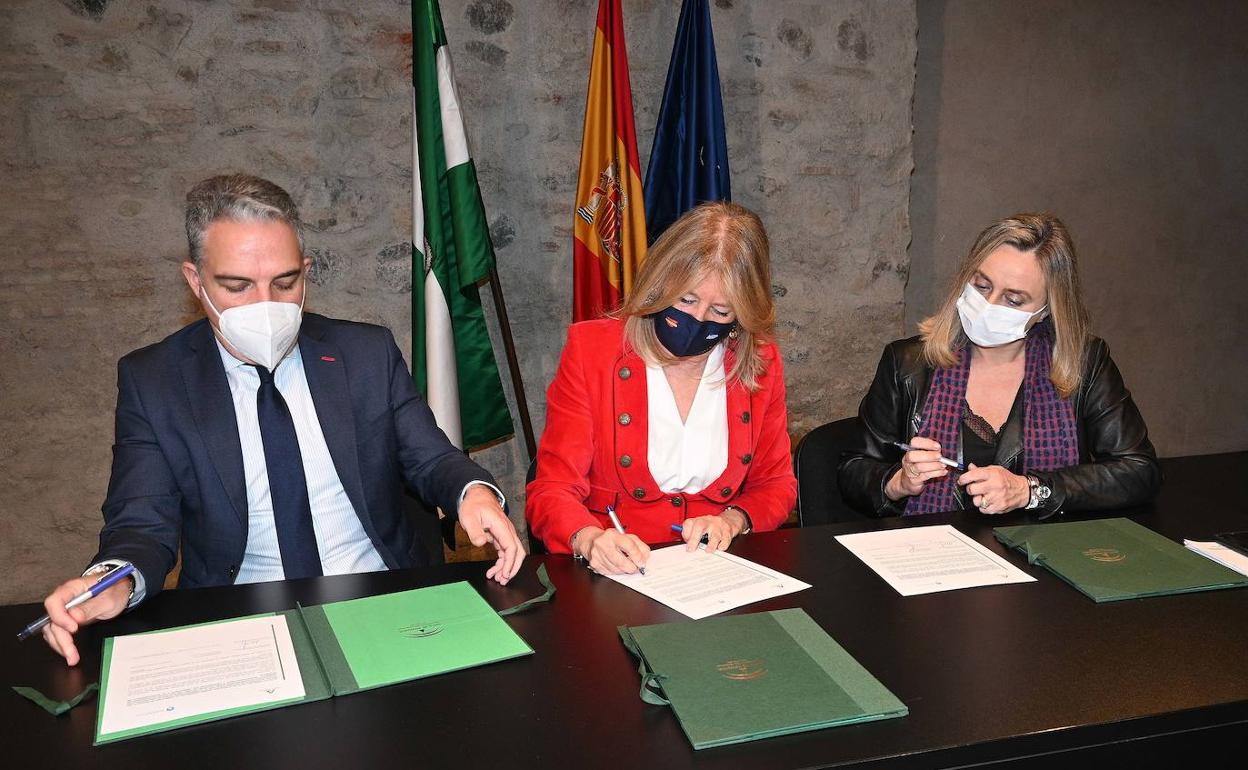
[1227,557]
[220,667]
[700,584]
[924,560]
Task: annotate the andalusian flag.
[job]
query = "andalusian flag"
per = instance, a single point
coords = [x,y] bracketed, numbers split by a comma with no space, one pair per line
[609,227]
[452,359]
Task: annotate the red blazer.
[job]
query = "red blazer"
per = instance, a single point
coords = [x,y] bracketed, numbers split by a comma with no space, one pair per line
[594,449]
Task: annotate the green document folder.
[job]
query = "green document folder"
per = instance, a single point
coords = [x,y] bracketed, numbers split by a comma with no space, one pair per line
[1113,559]
[355,645]
[740,678]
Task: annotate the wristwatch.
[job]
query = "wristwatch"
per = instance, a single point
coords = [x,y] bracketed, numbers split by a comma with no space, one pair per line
[1040,492]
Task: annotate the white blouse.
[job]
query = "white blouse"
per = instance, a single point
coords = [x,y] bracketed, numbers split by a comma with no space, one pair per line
[686,457]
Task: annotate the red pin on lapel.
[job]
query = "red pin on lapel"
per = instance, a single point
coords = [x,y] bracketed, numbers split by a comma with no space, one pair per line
[330,359]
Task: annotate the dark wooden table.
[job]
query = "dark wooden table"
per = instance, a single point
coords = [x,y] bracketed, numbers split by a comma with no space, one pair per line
[1032,675]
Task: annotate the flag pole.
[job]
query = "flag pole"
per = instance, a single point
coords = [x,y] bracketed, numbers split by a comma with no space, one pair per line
[513,366]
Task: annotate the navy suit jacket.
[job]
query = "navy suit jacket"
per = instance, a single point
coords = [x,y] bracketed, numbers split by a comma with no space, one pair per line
[177,474]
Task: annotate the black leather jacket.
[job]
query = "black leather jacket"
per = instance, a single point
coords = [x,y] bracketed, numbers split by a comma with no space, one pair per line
[1118,467]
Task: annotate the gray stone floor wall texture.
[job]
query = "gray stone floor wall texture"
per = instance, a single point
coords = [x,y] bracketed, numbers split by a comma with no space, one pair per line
[112,109]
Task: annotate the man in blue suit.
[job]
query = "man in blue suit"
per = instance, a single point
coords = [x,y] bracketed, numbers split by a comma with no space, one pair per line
[267,443]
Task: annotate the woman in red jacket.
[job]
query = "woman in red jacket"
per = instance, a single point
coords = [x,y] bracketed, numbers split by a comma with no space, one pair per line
[672,411]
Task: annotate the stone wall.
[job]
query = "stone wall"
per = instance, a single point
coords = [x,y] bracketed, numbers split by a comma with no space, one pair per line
[113,109]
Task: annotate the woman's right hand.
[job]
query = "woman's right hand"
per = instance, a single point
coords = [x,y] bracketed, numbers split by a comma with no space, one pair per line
[918,466]
[611,552]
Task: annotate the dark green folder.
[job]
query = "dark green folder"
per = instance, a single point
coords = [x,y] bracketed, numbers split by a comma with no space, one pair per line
[744,677]
[1113,559]
[355,645]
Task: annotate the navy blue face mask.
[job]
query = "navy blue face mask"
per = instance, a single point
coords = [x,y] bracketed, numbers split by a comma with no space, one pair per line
[683,335]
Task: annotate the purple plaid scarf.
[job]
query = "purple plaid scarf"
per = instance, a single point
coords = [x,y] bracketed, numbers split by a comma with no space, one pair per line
[1050,437]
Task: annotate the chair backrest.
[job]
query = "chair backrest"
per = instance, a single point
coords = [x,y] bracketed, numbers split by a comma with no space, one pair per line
[536,546]
[814,463]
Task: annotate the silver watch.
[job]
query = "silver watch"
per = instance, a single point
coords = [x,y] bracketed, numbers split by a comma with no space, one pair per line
[1040,492]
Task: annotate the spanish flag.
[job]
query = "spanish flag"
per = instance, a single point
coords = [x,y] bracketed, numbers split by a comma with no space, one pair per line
[609,227]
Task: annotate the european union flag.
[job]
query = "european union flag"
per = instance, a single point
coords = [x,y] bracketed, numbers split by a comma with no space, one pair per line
[689,158]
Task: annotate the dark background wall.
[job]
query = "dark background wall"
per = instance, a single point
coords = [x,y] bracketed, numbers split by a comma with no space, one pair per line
[1129,120]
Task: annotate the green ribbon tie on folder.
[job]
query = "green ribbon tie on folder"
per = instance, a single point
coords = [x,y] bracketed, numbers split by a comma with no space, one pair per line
[55,707]
[651,682]
[527,603]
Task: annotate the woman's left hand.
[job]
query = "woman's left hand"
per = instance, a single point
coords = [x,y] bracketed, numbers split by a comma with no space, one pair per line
[993,489]
[720,530]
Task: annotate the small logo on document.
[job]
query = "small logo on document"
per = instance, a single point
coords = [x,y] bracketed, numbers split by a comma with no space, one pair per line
[421,630]
[1105,554]
[741,670]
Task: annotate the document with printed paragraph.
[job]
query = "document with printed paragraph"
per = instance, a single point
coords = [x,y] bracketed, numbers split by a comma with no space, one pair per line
[700,584]
[924,560]
[220,668]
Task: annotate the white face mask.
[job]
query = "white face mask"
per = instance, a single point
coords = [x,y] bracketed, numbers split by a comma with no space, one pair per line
[262,331]
[989,325]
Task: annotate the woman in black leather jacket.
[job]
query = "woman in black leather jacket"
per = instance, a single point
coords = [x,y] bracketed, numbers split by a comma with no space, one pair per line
[1005,380]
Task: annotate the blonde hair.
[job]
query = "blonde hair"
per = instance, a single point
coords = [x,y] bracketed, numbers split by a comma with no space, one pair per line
[720,239]
[1047,238]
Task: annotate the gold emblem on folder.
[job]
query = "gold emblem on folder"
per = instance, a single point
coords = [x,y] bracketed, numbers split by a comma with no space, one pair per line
[1105,554]
[742,670]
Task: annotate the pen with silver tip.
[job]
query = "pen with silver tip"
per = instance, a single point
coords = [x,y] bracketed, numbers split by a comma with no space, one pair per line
[957,466]
[104,583]
[615,522]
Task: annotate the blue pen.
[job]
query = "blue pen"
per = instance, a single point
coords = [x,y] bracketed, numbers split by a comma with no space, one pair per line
[105,583]
[957,466]
[615,522]
[705,539]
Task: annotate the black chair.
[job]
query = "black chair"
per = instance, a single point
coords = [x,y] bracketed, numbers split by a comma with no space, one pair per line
[814,463]
[536,546]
